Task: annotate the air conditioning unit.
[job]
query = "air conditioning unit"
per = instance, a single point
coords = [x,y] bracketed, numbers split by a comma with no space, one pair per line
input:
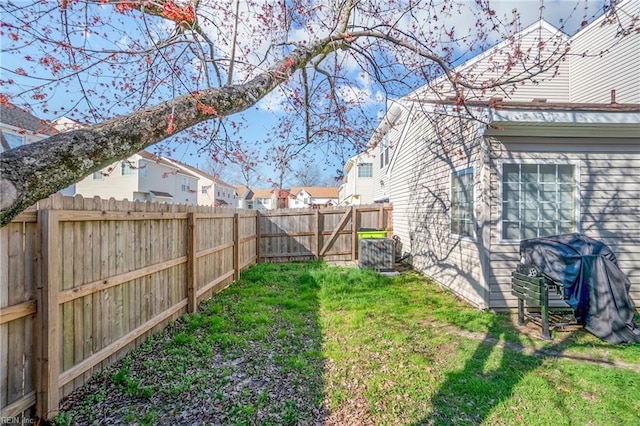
[376,253]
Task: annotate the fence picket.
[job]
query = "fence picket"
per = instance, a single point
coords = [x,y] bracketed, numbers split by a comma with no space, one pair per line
[98,276]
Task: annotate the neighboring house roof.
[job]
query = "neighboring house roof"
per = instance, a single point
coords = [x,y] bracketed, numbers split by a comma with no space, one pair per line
[14,116]
[152,157]
[244,192]
[262,193]
[317,191]
[161,194]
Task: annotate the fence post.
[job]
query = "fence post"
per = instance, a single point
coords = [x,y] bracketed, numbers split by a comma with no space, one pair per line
[48,328]
[354,233]
[258,236]
[192,249]
[236,247]
[318,242]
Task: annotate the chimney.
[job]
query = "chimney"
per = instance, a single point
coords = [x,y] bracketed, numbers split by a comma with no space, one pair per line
[514,23]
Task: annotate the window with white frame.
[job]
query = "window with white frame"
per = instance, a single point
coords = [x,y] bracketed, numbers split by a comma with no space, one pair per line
[127,168]
[98,175]
[538,200]
[384,151]
[462,203]
[365,170]
[185,185]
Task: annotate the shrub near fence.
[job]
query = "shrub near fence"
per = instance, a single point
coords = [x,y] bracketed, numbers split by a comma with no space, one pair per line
[83,281]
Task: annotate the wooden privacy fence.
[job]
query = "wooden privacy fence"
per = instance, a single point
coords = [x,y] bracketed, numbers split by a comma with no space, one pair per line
[84,281]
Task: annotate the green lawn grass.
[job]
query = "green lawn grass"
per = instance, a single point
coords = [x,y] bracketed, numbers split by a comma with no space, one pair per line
[304,343]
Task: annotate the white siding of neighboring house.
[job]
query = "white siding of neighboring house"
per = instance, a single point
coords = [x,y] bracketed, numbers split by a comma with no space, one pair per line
[357,190]
[592,79]
[261,203]
[226,193]
[419,189]
[164,178]
[148,176]
[609,195]
[114,185]
[300,199]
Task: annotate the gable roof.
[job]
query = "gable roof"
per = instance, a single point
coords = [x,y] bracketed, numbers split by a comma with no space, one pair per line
[262,193]
[317,191]
[244,192]
[159,160]
[13,116]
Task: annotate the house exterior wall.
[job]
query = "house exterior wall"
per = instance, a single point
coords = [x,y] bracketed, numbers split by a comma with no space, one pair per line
[356,189]
[436,146]
[168,179]
[148,176]
[389,141]
[609,201]
[114,185]
[607,67]
[538,40]
[226,193]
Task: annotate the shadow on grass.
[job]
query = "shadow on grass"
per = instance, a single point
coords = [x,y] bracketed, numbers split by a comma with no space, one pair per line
[252,354]
[487,379]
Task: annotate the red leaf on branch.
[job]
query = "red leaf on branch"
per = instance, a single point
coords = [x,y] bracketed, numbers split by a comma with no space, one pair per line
[178,14]
[4,100]
[206,109]
[170,126]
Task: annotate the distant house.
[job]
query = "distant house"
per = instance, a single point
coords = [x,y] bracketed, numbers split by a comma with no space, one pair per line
[313,196]
[557,155]
[143,176]
[245,197]
[263,199]
[19,127]
[211,190]
[65,124]
[357,185]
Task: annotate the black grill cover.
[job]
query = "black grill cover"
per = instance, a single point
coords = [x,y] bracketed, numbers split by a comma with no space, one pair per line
[593,285]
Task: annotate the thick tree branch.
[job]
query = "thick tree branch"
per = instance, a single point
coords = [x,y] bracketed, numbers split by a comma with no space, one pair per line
[32,172]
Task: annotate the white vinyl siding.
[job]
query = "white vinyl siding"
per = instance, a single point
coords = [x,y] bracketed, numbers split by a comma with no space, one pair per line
[611,62]
[419,187]
[538,200]
[540,45]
